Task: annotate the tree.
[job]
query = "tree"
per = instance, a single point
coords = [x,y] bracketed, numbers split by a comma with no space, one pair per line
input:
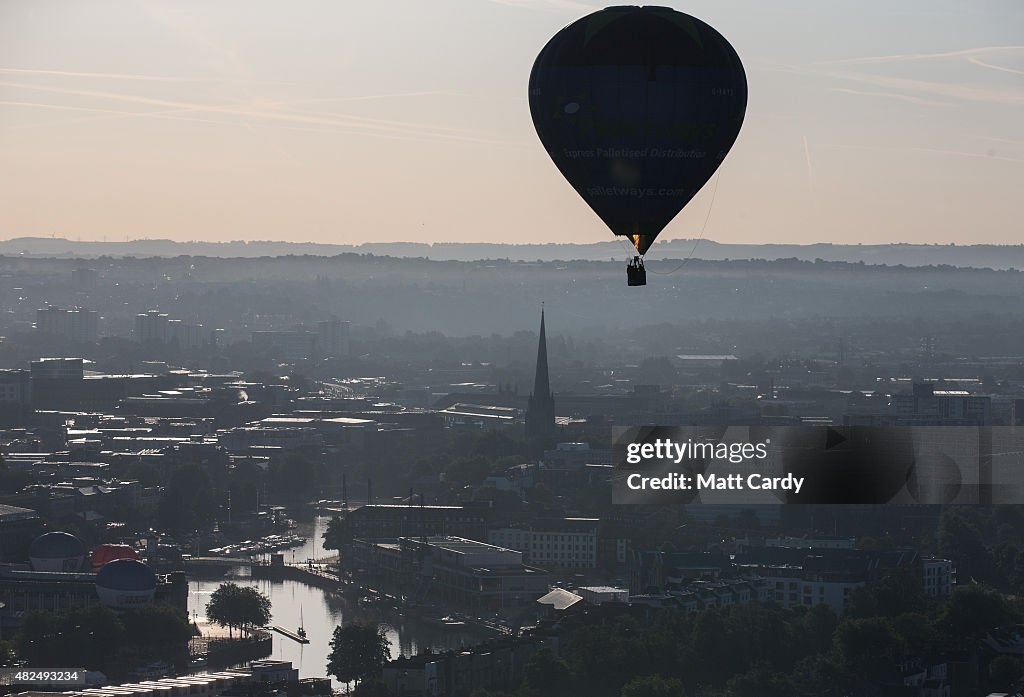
[653,686]
[156,625]
[972,611]
[546,674]
[187,502]
[896,593]
[91,635]
[818,625]
[605,657]
[962,541]
[83,636]
[817,675]
[233,606]
[1005,671]
[358,651]
[8,653]
[37,636]
[760,681]
[863,644]
[336,535]
[468,469]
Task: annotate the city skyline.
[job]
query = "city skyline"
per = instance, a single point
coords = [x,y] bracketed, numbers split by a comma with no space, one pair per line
[409,122]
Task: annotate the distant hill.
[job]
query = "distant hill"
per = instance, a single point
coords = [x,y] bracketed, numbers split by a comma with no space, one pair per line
[975,256]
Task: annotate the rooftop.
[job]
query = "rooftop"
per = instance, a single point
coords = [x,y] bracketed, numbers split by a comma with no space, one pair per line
[12,513]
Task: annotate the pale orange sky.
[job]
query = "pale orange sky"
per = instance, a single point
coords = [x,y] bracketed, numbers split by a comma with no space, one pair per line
[340,121]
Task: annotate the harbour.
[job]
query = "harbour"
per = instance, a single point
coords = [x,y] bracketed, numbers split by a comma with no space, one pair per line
[305,596]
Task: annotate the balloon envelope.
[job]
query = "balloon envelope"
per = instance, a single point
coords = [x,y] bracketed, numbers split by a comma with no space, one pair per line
[638,106]
[109,552]
[125,583]
[56,551]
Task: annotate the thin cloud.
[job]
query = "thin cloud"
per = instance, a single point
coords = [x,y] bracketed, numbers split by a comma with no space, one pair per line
[101,114]
[943,89]
[186,29]
[171,115]
[287,103]
[1009,141]
[901,57]
[1001,68]
[391,95]
[555,5]
[890,95]
[217,80]
[105,112]
[932,151]
[138,77]
[810,167]
[1009,96]
[351,123]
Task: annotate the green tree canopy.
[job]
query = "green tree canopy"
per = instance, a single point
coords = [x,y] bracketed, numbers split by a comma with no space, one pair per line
[234,606]
[358,651]
[546,674]
[862,644]
[187,502]
[1004,672]
[336,535]
[898,592]
[86,637]
[971,611]
[653,686]
[156,625]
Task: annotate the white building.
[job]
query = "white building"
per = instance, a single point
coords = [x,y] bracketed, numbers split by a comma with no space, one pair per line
[596,595]
[568,543]
[939,576]
[78,324]
[151,326]
[157,326]
[333,337]
[796,589]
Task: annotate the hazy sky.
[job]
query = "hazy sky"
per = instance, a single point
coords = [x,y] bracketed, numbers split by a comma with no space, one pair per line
[343,121]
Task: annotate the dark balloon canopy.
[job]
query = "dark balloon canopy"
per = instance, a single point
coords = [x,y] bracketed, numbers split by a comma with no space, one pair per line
[638,106]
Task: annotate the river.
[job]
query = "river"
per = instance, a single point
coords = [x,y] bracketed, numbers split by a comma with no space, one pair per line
[321,611]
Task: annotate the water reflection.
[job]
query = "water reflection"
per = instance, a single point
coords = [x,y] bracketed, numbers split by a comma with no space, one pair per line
[321,611]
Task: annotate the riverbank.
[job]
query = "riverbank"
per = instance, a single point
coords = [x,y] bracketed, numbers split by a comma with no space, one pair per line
[309,596]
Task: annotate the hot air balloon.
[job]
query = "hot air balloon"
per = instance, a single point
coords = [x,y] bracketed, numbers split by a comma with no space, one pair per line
[125,583]
[637,106]
[56,551]
[109,552]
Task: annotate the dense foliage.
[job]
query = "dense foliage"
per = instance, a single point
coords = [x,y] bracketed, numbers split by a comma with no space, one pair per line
[233,606]
[358,652]
[96,637]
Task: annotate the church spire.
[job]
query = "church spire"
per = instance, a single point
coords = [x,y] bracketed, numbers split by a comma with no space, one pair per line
[541,383]
[540,410]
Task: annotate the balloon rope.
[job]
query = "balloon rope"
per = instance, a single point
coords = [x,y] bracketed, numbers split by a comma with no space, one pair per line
[707,217]
[630,250]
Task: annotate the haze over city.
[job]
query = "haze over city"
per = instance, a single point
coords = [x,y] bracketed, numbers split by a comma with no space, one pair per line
[318,378]
[408,121]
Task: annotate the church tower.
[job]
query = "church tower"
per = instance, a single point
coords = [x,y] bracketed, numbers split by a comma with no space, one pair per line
[540,410]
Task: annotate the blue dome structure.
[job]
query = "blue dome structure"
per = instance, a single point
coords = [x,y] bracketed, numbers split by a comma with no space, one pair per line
[125,583]
[56,551]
